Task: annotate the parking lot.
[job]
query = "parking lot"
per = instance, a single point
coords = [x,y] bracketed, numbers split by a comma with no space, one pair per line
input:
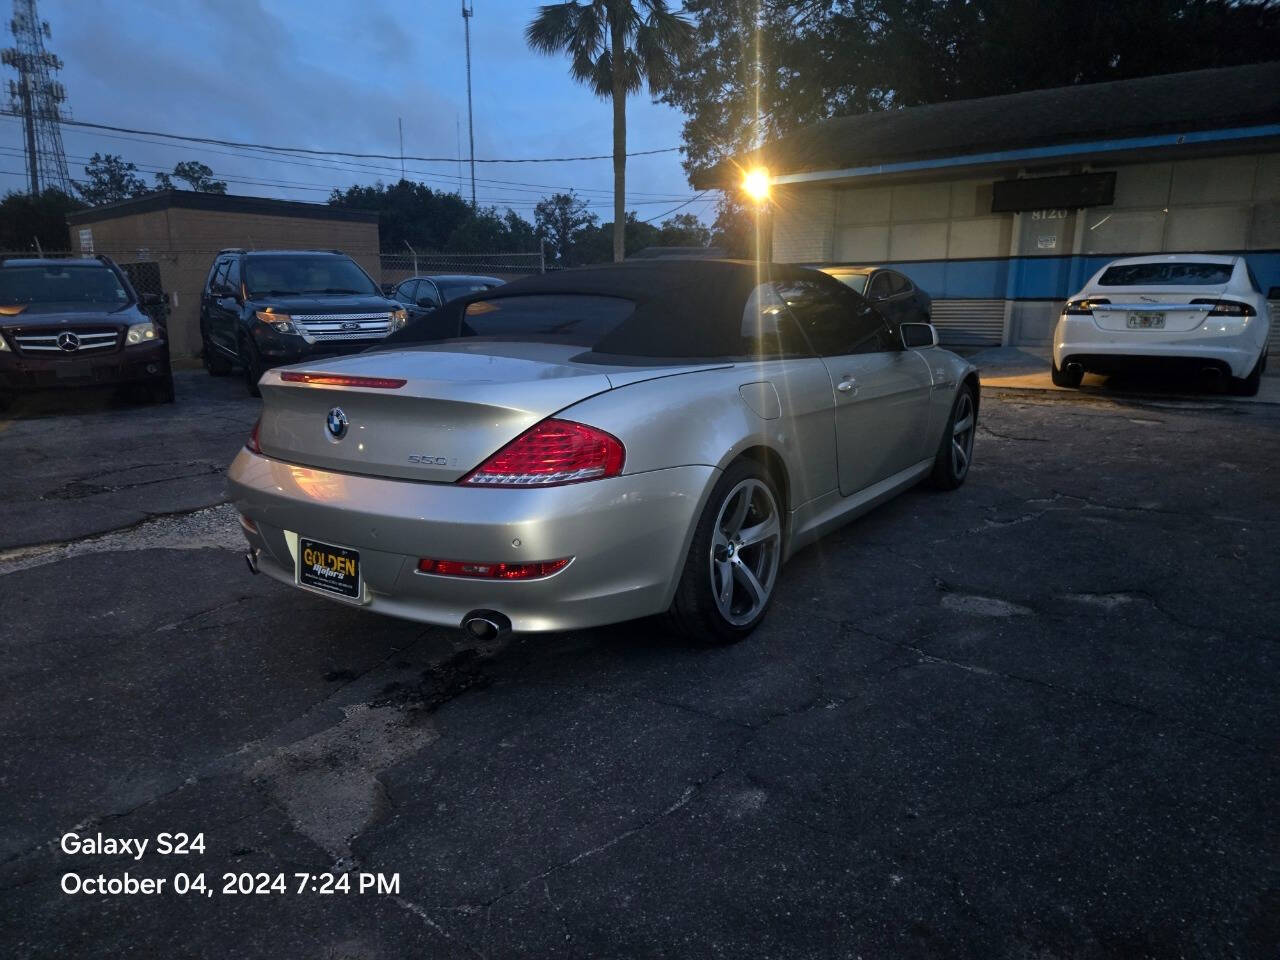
[1035,717]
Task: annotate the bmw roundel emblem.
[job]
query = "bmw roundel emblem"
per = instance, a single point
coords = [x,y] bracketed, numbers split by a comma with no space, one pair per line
[337,423]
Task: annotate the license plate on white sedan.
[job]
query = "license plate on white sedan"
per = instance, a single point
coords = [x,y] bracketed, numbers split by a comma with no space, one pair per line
[1146,321]
[323,566]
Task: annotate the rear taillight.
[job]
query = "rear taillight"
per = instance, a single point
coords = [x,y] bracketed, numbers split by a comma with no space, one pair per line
[551,453]
[492,571]
[1084,305]
[252,444]
[342,380]
[1227,308]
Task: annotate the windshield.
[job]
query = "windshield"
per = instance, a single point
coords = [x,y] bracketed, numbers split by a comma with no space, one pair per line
[1167,275]
[855,281]
[303,274]
[62,284]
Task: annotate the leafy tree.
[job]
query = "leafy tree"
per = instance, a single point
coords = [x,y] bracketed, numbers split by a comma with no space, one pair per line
[199,177]
[408,212]
[562,220]
[109,179]
[684,230]
[486,232]
[39,222]
[806,61]
[614,46]
[734,228]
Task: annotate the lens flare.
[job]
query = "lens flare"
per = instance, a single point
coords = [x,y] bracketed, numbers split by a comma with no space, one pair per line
[755,183]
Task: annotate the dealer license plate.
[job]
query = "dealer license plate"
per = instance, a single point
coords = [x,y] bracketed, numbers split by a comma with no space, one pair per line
[333,569]
[1146,321]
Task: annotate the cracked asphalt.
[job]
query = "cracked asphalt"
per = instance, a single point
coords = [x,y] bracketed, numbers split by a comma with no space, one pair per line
[1035,717]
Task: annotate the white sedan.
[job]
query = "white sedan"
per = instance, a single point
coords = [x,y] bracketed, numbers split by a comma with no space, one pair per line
[1201,313]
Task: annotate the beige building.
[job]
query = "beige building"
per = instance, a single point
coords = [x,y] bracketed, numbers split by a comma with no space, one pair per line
[182,231]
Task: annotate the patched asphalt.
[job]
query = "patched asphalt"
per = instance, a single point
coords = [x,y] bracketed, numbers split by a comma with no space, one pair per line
[1035,717]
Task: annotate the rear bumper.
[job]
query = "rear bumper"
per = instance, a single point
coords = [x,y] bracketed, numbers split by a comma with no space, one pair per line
[144,363]
[627,536]
[1232,346]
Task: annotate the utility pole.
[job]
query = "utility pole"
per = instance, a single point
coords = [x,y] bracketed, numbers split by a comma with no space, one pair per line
[400,127]
[467,13]
[36,96]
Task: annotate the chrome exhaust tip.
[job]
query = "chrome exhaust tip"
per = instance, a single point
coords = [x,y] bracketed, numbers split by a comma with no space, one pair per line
[251,558]
[485,625]
[1075,367]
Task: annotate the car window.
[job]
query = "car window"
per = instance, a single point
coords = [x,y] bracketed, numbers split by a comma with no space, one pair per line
[61,283]
[576,319]
[881,287]
[218,273]
[898,283]
[233,275]
[427,295]
[835,320]
[1253,280]
[305,273]
[404,292]
[1167,274]
[769,331]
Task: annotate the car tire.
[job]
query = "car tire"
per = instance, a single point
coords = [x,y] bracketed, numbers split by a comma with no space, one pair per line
[251,363]
[955,452]
[726,585]
[214,361]
[1063,378]
[1248,386]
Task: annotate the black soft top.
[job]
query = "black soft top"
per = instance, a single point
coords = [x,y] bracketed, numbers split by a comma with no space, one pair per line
[683,308]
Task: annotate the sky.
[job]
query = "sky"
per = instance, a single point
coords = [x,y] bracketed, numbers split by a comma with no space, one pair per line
[336,76]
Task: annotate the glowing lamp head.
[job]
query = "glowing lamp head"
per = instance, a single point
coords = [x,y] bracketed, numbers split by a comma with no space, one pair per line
[755,183]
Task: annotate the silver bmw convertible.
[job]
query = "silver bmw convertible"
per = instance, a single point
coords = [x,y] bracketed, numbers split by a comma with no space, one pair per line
[596,445]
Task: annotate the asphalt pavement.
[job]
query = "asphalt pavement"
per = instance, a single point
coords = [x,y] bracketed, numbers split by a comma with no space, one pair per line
[1035,717]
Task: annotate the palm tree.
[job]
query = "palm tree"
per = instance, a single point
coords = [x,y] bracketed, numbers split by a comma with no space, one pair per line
[614,46]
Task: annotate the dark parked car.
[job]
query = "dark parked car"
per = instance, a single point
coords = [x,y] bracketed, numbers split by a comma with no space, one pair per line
[421,295]
[895,296]
[66,323]
[267,308]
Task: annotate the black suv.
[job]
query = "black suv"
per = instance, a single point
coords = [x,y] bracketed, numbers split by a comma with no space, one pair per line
[78,322]
[267,308]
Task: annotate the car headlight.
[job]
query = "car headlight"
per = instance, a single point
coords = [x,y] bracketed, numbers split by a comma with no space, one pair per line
[282,322]
[140,333]
[399,318]
[4,344]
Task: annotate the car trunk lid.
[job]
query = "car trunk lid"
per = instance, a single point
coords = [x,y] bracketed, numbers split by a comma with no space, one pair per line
[1152,308]
[455,408]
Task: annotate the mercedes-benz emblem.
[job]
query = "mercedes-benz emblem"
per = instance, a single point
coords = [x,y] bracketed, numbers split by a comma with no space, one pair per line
[337,423]
[68,341]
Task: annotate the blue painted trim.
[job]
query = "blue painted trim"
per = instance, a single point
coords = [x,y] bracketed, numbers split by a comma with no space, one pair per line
[1040,278]
[1038,153]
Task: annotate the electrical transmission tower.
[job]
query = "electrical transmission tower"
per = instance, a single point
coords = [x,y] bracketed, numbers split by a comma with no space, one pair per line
[36,97]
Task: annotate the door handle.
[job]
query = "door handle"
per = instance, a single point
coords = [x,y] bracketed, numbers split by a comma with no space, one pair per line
[847,385]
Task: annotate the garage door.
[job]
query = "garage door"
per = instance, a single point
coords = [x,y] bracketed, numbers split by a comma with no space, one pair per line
[969,323]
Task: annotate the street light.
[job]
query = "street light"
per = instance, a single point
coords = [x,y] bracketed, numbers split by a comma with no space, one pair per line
[755,183]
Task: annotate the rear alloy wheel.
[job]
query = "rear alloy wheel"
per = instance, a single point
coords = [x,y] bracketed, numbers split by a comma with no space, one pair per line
[955,453]
[732,565]
[252,365]
[1065,378]
[1248,386]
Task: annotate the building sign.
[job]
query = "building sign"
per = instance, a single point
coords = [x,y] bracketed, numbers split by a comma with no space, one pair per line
[86,240]
[1047,242]
[1051,193]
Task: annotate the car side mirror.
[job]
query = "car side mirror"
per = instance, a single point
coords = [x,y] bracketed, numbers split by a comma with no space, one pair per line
[427,303]
[917,335]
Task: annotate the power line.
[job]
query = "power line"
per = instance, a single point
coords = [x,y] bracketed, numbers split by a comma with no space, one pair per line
[340,153]
[674,209]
